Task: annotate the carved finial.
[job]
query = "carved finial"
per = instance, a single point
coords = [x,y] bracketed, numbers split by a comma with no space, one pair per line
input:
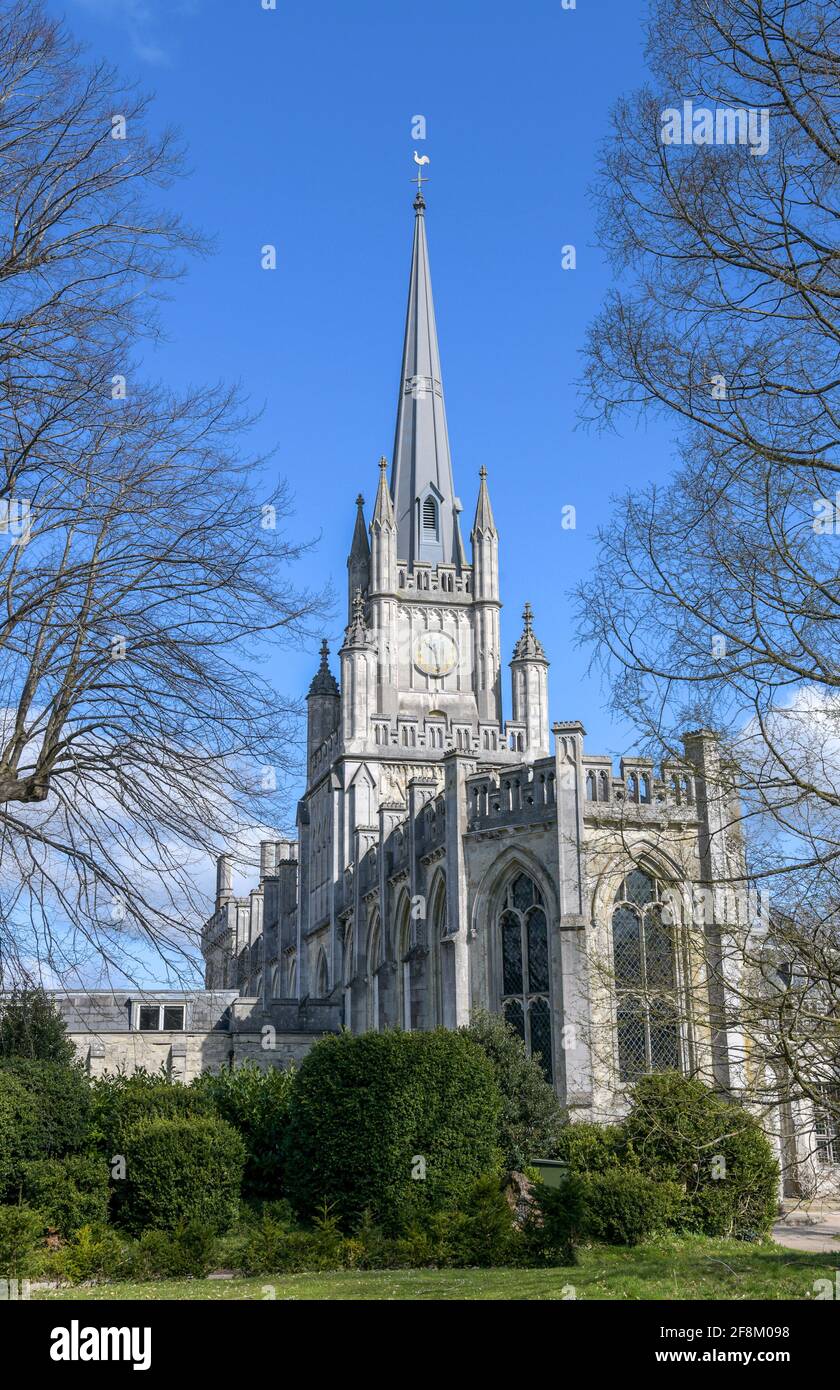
[324,682]
[360,501]
[482,472]
[383,463]
[529,646]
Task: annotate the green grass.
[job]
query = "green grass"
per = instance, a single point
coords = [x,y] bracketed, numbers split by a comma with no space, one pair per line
[678,1269]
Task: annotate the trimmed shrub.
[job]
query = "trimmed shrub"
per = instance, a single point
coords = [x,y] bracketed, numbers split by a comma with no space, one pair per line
[69,1192]
[21,1231]
[44,1113]
[121,1101]
[31,1026]
[271,1247]
[95,1252]
[532,1119]
[179,1171]
[256,1103]
[591,1148]
[556,1222]
[190,1252]
[368,1112]
[625,1207]
[682,1131]
[486,1236]
[19,1131]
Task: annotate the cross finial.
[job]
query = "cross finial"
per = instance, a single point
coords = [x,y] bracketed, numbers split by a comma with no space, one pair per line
[527,614]
[360,501]
[482,472]
[325,651]
[383,463]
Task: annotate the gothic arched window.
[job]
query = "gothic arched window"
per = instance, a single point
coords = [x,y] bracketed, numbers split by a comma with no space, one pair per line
[322,976]
[374,946]
[523,926]
[645,972]
[405,982]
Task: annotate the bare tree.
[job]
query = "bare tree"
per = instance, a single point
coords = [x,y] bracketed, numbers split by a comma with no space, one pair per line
[716,598]
[144,575]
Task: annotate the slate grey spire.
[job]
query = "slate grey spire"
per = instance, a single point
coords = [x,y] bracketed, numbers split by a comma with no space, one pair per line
[358,561]
[421,476]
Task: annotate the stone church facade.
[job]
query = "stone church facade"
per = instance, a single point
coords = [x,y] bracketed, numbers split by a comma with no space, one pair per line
[449,860]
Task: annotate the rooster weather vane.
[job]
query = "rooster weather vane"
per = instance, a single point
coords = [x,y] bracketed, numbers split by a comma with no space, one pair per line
[420,160]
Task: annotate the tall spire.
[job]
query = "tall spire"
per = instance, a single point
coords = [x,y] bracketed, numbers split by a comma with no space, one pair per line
[358,561]
[383,511]
[484,525]
[421,477]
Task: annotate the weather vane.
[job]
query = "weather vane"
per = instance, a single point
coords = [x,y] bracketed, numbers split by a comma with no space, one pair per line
[420,160]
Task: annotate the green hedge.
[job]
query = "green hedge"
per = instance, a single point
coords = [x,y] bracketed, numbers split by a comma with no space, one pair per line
[122,1101]
[256,1103]
[532,1120]
[592,1148]
[556,1222]
[368,1111]
[625,1207]
[684,1132]
[179,1171]
[45,1112]
[69,1192]
[21,1230]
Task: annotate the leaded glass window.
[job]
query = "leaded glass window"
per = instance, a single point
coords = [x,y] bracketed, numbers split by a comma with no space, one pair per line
[523,928]
[644,967]
[827,1126]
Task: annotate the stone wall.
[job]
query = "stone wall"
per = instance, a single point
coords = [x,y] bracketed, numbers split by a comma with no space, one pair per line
[221,1029]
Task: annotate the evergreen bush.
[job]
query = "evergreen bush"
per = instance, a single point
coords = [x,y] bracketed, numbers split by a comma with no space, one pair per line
[182,1170]
[399,1124]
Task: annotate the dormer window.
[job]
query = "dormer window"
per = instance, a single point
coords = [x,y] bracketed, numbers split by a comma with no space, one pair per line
[159,1018]
[430,519]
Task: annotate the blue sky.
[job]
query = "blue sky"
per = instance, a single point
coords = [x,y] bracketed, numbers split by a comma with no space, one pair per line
[298,122]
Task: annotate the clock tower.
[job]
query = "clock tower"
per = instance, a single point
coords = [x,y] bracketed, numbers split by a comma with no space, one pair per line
[421,655]
[433,616]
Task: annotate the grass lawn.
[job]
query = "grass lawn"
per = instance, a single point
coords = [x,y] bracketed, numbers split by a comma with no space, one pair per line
[681,1269]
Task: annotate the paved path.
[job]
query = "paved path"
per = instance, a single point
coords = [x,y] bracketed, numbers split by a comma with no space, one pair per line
[819,1231]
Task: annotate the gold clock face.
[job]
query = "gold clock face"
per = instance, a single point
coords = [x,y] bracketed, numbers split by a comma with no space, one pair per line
[435,654]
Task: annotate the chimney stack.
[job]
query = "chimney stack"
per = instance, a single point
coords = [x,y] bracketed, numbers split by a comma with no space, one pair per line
[224,879]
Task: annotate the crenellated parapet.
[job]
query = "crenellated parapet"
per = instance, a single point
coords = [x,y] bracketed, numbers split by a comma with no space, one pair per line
[639,790]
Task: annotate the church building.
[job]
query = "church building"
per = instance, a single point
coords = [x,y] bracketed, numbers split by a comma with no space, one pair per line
[450,860]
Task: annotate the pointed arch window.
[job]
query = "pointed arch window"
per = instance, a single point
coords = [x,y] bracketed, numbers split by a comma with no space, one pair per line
[322,976]
[645,972]
[374,948]
[523,927]
[405,981]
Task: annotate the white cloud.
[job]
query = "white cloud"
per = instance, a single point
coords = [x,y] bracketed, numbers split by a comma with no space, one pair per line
[146,21]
